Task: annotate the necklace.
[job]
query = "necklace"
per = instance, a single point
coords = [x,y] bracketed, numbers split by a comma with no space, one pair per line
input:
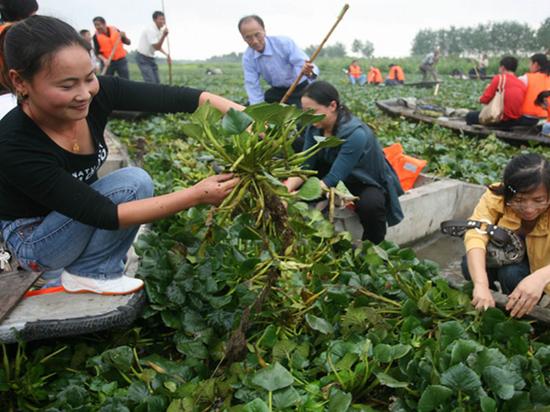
[75,146]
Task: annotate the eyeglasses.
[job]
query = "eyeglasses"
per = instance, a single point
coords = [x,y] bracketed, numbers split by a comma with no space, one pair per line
[519,204]
[258,35]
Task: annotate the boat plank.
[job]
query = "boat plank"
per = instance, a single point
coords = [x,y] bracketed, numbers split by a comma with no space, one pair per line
[523,134]
[13,286]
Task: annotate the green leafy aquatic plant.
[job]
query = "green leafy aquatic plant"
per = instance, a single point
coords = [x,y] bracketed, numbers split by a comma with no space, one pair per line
[256,145]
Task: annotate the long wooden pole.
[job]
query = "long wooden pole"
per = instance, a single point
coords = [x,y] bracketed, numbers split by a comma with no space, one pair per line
[106,66]
[168,48]
[314,55]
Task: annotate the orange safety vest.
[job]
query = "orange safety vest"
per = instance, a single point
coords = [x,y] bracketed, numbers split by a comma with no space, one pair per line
[374,76]
[106,43]
[3,26]
[354,70]
[407,167]
[536,83]
[397,73]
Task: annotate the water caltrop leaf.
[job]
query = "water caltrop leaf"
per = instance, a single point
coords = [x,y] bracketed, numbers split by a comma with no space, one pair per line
[285,398]
[319,324]
[236,122]
[273,377]
[488,404]
[310,190]
[339,401]
[500,381]
[462,349]
[257,405]
[432,397]
[461,378]
[121,357]
[390,381]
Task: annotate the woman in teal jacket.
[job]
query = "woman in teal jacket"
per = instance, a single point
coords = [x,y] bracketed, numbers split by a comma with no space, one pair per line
[359,162]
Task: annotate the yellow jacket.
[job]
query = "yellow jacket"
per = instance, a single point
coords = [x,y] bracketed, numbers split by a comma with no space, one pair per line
[491,207]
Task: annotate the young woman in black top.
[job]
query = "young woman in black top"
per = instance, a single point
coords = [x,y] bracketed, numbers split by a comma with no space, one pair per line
[54,211]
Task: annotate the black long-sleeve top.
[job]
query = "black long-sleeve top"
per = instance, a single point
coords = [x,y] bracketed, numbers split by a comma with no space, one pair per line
[37,176]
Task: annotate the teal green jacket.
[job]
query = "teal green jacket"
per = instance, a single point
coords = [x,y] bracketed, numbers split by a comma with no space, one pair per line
[360,157]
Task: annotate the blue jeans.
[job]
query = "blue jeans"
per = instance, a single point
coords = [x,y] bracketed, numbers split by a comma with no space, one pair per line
[508,276]
[55,241]
[148,68]
[119,67]
[361,79]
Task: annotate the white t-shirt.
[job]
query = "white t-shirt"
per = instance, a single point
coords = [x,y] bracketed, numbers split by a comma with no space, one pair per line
[149,36]
[7,102]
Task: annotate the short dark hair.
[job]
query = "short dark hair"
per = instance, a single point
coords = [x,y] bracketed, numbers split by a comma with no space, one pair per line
[83,32]
[542,61]
[523,174]
[99,19]
[157,14]
[510,63]
[15,10]
[542,96]
[30,45]
[254,17]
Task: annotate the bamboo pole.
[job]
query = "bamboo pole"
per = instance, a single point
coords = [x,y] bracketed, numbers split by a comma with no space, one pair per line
[169,60]
[314,55]
[106,66]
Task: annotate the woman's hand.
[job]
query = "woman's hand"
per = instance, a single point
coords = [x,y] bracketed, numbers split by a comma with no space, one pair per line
[482,298]
[526,295]
[293,183]
[214,189]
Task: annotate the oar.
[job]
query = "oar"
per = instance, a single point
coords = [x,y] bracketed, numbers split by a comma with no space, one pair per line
[169,60]
[117,42]
[314,55]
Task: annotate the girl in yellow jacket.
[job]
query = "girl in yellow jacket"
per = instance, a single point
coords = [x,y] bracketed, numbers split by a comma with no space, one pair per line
[520,203]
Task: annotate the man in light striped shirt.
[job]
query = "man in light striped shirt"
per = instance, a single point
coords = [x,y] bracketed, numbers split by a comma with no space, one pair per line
[276,59]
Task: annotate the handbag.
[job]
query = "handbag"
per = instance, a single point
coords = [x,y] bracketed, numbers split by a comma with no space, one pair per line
[492,113]
[505,247]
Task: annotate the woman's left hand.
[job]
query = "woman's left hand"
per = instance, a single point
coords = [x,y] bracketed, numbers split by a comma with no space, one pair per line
[526,295]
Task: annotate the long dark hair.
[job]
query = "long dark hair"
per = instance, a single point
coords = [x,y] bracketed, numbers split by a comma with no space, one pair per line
[29,45]
[523,174]
[325,93]
[543,63]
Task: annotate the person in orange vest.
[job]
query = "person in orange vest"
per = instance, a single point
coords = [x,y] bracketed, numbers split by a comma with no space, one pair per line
[355,74]
[107,38]
[374,76]
[537,81]
[543,100]
[396,75]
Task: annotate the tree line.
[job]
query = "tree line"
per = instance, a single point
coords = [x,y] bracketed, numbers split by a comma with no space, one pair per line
[508,37]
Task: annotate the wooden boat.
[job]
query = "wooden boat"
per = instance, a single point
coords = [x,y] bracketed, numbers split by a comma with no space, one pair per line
[422,85]
[429,203]
[50,313]
[128,115]
[398,107]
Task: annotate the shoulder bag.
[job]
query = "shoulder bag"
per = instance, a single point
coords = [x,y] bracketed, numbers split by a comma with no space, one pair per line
[492,113]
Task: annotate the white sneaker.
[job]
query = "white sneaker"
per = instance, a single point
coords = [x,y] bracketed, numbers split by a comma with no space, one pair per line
[119,286]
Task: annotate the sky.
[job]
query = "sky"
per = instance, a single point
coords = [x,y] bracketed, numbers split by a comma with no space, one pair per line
[200,29]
